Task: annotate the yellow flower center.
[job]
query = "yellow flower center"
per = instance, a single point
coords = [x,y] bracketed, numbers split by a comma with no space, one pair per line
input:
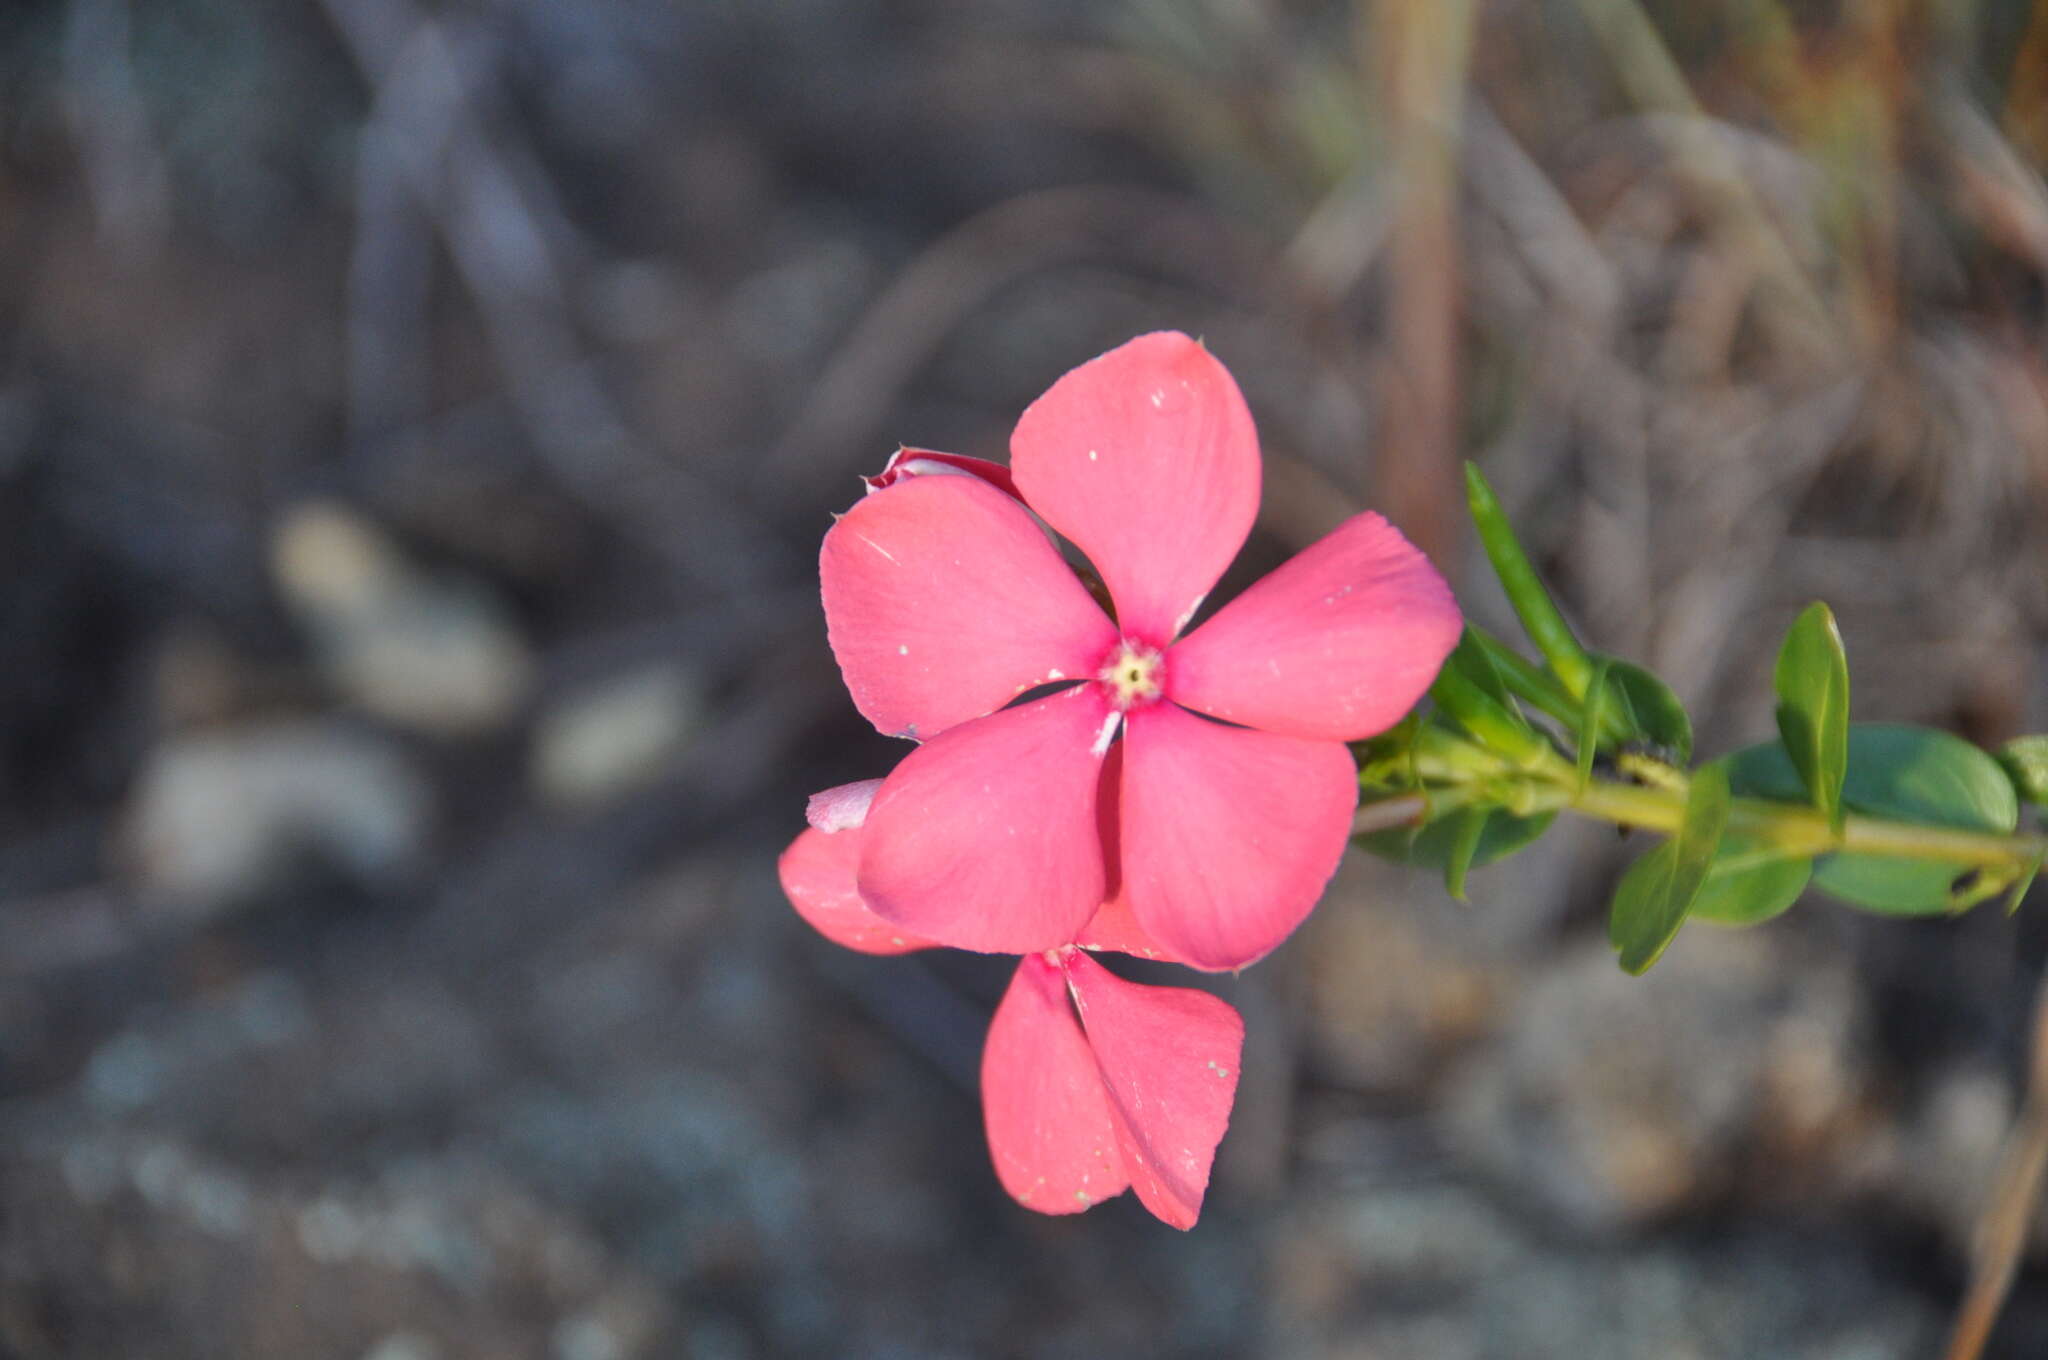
[1133,675]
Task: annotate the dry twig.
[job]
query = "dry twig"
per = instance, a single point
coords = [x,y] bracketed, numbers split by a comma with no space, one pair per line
[2009,1212]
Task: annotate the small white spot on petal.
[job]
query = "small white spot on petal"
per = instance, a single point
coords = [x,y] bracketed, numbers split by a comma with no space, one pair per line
[1159,398]
[903,649]
[1055,675]
[1091,455]
[1102,738]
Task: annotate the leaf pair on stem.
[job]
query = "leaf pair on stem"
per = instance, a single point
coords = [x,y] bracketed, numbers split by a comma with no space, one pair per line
[1893,819]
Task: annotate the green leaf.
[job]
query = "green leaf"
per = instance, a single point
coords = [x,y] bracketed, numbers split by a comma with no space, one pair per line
[1904,774]
[1532,603]
[1469,691]
[1812,680]
[1750,882]
[1896,887]
[1651,711]
[1653,897]
[1536,686]
[1467,826]
[1636,918]
[1765,771]
[1470,659]
[1435,845]
[2026,760]
[2018,894]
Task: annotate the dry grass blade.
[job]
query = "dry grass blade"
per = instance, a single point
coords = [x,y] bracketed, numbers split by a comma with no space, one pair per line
[1426,46]
[1655,80]
[2009,1211]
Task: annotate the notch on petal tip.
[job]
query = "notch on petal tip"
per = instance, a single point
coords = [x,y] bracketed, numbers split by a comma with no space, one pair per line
[907,462]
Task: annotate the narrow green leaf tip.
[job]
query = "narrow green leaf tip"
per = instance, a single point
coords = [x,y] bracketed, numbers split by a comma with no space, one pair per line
[1532,603]
[1465,832]
[1590,718]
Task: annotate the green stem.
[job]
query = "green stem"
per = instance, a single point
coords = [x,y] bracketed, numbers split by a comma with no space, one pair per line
[1789,828]
[1804,830]
[1645,770]
[1384,814]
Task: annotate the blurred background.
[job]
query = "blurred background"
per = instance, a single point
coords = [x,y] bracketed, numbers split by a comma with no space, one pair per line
[417,424]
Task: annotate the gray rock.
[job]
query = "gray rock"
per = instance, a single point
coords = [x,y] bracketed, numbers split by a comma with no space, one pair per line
[404,1346]
[216,817]
[435,652]
[611,738]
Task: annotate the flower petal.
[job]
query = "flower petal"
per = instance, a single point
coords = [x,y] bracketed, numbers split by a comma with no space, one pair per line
[944,601]
[1112,926]
[1229,835]
[818,878]
[1146,458]
[1050,1134]
[1169,1058]
[984,837]
[843,806]
[1337,643]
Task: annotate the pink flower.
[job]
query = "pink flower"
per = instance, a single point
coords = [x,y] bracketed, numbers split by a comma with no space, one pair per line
[945,601]
[1090,1084]
[817,876]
